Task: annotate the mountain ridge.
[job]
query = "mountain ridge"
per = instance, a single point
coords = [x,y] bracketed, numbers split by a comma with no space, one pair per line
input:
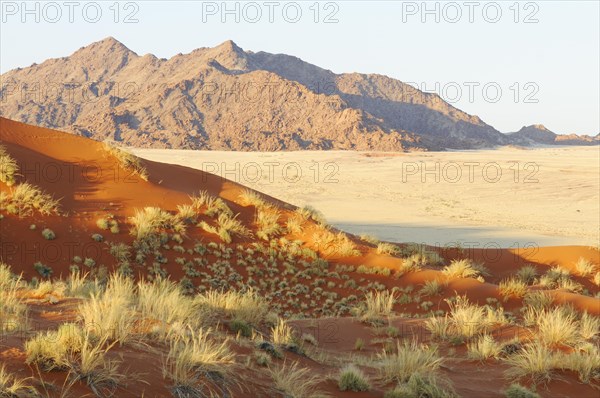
[226,98]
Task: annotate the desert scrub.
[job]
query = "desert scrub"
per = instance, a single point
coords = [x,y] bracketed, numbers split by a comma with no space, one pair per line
[421,386]
[538,299]
[554,326]
[48,234]
[465,320]
[518,391]
[10,386]
[310,213]
[127,160]
[431,288]
[584,267]
[205,203]
[332,244]
[527,274]
[484,347]
[191,356]
[512,287]
[108,223]
[409,359]
[26,198]
[247,306]
[8,167]
[387,248]
[13,312]
[584,361]
[149,226]
[352,378]
[102,375]
[463,269]
[109,315]
[252,198]
[52,350]
[226,227]
[535,361]
[267,222]
[162,304]
[376,305]
[294,381]
[42,269]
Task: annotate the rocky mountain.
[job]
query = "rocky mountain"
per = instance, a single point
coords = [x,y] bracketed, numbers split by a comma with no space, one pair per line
[228,98]
[539,134]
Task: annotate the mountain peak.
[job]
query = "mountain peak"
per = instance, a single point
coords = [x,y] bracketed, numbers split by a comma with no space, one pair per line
[538,127]
[229,55]
[107,45]
[230,46]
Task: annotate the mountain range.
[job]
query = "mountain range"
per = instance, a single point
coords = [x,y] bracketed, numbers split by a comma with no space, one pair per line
[225,98]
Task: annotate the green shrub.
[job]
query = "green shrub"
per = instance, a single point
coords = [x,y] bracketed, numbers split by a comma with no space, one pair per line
[48,234]
[241,327]
[518,391]
[43,269]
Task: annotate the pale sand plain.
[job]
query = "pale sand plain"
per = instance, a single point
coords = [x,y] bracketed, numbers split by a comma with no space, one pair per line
[506,197]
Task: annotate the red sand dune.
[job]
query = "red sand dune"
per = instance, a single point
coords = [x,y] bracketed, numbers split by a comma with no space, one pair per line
[92,184]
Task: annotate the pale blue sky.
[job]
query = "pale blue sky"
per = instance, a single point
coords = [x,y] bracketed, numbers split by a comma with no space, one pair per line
[559,55]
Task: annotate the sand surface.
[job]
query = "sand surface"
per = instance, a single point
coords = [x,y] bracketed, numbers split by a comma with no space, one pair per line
[508,197]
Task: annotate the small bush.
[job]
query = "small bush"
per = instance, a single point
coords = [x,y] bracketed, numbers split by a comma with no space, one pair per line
[97,237]
[353,379]
[387,248]
[518,391]
[240,327]
[295,382]
[538,300]
[48,234]
[252,198]
[376,305]
[8,167]
[512,288]
[462,269]
[584,267]
[11,387]
[43,269]
[484,347]
[527,274]
[431,288]
[422,387]
[409,359]
[534,360]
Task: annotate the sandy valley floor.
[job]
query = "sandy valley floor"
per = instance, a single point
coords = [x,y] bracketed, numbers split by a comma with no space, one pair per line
[508,197]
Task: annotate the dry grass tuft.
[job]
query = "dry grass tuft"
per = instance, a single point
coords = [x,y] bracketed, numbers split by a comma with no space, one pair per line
[127,160]
[8,167]
[26,198]
[409,359]
[464,269]
[296,382]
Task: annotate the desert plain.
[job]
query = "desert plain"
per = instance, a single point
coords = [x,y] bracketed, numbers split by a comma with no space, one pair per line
[505,197]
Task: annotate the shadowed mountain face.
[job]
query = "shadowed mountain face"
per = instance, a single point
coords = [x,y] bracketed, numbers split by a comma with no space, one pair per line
[228,98]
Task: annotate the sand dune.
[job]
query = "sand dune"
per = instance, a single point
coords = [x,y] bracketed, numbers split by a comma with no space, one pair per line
[303,274]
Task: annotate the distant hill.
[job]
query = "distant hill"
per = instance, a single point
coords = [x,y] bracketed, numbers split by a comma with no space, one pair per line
[228,98]
[539,134]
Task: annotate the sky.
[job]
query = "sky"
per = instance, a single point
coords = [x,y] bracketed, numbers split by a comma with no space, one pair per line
[510,63]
